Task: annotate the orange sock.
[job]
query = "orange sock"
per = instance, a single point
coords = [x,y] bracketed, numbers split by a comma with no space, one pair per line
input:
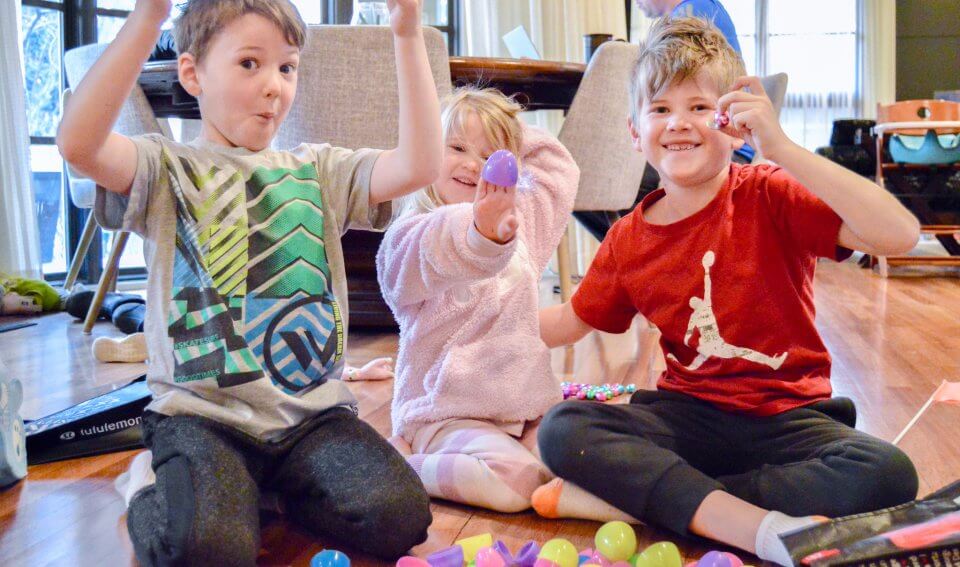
[546,498]
[561,499]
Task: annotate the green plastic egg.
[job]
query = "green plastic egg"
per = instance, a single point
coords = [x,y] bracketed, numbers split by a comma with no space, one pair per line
[660,554]
[616,541]
[561,552]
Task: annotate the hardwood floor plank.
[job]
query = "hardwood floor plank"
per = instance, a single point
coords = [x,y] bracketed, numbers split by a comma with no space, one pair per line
[892,340]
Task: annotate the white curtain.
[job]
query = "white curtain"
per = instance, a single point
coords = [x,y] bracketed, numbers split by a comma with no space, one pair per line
[877,43]
[19,236]
[557,28]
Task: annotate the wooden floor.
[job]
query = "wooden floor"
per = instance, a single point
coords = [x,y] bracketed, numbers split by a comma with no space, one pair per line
[893,341]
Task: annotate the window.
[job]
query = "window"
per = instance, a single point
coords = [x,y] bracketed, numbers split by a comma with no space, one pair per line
[52,26]
[42,25]
[815,43]
[443,15]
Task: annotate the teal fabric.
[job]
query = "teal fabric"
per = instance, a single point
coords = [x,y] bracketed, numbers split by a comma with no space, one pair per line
[929,149]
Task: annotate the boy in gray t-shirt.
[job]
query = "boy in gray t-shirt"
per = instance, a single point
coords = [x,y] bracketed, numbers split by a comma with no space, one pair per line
[247,315]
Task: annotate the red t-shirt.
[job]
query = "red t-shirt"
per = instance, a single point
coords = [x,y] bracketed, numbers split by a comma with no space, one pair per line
[730,288]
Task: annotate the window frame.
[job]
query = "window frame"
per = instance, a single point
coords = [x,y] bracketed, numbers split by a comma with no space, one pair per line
[341,11]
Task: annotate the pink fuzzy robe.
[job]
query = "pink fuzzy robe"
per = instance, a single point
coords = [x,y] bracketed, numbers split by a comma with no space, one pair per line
[469,331]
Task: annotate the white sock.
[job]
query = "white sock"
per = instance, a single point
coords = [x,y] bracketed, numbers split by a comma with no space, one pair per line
[563,499]
[132,348]
[139,475]
[769,545]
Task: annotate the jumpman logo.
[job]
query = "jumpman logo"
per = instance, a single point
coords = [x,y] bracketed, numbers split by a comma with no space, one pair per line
[711,343]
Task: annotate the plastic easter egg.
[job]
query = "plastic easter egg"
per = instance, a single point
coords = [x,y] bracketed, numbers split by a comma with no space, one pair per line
[734,560]
[489,557]
[449,557]
[714,559]
[527,555]
[541,562]
[598,558]
[473,544]
[501,169]
[410,561]
[330,558]
[616,541]
[660,554]
[561,552]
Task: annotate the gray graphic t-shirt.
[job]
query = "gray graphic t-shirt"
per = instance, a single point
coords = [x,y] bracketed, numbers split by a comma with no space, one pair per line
[246,295]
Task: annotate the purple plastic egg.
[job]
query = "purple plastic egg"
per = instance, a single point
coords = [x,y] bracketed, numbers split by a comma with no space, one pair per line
[449,557]
[714,559]
[501,169]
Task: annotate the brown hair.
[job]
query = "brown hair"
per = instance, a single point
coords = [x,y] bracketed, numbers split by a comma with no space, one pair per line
[677,49]
[200,21]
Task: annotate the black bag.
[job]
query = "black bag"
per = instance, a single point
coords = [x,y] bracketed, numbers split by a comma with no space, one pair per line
[920,533]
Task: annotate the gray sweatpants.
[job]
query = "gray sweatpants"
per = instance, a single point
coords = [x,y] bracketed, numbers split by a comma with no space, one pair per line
[659,456]
[335,476]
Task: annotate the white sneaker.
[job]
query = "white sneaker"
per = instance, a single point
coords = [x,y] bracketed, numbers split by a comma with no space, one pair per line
[131,348]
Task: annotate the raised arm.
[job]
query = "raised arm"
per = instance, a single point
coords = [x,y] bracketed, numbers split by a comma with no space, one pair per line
[874,221]
[85,138]
[560,325]
[415,162]
[422,256]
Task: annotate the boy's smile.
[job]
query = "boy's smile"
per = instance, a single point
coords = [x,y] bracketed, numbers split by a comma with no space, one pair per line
[674,135]
[245,83]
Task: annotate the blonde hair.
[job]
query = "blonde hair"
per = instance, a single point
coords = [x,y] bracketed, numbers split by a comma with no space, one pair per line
[677,49]
[499,118]
[201,20]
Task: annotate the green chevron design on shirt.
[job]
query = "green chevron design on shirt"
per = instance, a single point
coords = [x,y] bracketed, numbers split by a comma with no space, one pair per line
[287,253]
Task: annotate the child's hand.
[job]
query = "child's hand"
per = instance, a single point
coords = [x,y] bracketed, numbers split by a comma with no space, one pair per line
[753,118]
[404,17]
[155,10]
[495,211]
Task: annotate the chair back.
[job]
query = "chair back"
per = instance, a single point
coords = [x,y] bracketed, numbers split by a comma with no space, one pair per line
[83,191]
[136,116]
[776,88]
[348,87]
[919,111]
[595,132]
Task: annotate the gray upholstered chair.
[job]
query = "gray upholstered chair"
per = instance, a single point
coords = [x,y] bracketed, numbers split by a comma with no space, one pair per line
[136,117]
[595,132]
[348,87]
[776,89]
[348,98]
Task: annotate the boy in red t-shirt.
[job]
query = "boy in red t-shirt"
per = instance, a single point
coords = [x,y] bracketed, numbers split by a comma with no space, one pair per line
[742,430]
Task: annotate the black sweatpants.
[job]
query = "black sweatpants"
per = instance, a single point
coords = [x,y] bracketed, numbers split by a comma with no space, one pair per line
[659,456]
[335,476]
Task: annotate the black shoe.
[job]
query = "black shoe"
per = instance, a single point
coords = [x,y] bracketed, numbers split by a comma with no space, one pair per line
[78,303]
